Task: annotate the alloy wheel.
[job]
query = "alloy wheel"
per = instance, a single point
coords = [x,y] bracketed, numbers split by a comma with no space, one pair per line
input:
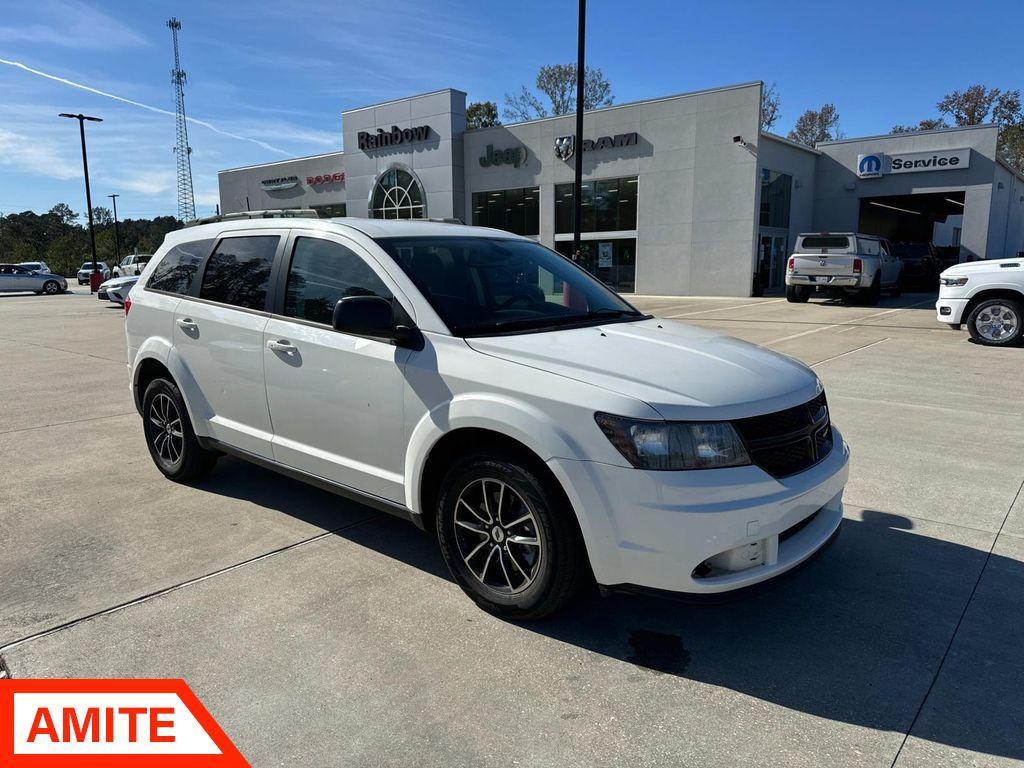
[168,437]
[996,322]
[498,536]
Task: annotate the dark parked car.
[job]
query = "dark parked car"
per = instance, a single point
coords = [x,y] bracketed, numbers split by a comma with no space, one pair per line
[920,263]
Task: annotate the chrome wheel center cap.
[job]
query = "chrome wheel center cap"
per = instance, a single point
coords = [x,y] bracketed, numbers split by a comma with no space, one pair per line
[497,534]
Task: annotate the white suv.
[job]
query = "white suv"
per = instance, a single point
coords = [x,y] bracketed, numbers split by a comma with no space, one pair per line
[491,391]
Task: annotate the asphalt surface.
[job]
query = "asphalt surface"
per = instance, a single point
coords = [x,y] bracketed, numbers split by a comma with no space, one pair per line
[320,632]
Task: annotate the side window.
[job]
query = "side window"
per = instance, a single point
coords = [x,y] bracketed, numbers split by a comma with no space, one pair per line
[238,272]
[176,269]
[323,272]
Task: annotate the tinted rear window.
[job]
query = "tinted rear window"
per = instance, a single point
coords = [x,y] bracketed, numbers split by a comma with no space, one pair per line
[175,271]
[831,241]
[238,272]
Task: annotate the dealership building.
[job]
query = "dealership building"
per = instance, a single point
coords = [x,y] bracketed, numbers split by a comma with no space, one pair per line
[681,195]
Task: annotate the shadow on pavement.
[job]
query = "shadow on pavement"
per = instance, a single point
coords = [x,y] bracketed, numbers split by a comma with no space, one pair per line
[856,636]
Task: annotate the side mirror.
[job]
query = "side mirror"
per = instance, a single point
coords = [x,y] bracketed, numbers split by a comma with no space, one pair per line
[374,316]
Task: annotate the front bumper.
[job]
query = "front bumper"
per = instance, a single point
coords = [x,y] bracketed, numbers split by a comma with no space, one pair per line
[824,281]
[657,530]
[950,310]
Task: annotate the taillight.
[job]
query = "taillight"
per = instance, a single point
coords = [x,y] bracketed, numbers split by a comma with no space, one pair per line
[858,265]
[792,263]
[127,305]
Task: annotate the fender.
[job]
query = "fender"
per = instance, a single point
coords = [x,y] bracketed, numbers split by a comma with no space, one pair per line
[498,413]
[1000,286]
[161,350]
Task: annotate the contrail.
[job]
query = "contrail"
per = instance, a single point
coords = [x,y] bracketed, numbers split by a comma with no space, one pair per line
[215,129]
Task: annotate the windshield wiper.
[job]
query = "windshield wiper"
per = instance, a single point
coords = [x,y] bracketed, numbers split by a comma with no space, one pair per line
[541,323]
[611,312]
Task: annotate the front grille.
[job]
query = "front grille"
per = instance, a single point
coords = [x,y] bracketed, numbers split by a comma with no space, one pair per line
[790,441]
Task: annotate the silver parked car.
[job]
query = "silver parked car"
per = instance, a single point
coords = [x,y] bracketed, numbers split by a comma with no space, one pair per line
[14,277]
[116,288]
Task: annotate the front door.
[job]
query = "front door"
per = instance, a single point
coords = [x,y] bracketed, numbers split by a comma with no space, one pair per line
[336,400]
[218,331]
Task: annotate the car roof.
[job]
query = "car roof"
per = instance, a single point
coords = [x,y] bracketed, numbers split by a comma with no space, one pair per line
[374,228]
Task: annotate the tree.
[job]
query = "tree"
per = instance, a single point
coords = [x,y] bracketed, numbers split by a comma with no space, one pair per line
[481,114]
[558,83]
[976,105]
[770,106]
[816,125]
[102,217]
[928,124]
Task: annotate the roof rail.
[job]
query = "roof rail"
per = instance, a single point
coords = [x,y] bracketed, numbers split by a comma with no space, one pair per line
[284,213]
[445,220]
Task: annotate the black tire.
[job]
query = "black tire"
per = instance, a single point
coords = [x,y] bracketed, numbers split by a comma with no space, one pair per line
[897,289]
[176,453]
[51,287]
[558,568]
[797,294]
[871,296]
[982,315]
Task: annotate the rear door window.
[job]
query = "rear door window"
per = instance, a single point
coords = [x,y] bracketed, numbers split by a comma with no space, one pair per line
[175,271]
[322,273]
[238,271]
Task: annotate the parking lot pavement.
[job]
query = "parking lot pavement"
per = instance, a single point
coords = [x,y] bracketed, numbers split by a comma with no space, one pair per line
[314,628]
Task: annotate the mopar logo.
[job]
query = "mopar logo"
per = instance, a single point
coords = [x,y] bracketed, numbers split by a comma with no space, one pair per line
[869,166]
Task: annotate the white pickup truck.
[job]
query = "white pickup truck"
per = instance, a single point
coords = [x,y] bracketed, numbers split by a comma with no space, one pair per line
[986,295]
[842,264]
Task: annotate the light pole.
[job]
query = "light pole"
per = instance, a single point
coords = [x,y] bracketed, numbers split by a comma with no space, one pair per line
[577,187]
[94,281]
[117,237]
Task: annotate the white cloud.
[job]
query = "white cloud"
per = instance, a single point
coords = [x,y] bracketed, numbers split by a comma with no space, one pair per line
[72,24]
[36,155]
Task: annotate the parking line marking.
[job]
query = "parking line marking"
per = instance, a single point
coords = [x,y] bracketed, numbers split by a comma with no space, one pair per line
[723,309]
[850,352]
[802,333]
[897,309]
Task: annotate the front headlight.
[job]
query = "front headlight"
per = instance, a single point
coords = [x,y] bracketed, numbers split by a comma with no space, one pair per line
[953,280]
[674,445]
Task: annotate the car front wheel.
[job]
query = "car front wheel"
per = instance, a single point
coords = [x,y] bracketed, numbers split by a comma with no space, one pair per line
[509,538]
[51,287]
[169,435]
[996,322]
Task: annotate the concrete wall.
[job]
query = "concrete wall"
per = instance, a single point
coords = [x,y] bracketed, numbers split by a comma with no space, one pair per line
[838,191]
[237,184]
[437,161]
[800,162]
[1006,224]
[696,198]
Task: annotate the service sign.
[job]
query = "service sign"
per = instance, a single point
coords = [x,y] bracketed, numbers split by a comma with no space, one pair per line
[876,164]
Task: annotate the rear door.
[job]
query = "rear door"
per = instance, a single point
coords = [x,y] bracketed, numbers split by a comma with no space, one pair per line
[218,331]
[336,400]
[891,263]
[824,255]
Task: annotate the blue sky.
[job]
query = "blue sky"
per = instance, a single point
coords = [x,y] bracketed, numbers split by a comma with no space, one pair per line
[271,79]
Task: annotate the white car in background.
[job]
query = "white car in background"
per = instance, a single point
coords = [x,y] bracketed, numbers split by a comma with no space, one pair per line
[491,391]
[132,265]
[86,271]
[986,295]
[116,289]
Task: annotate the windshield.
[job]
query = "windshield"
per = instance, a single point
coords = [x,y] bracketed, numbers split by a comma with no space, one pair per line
[486,286]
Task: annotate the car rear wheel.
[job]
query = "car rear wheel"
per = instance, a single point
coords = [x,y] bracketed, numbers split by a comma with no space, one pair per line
[169,435]
[996,322]
[797,294]
[872,295]
[509,538]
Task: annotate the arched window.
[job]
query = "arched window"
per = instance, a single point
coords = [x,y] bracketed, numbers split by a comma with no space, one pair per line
[397,195]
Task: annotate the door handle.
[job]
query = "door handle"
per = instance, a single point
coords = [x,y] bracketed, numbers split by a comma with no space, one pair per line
[283,345]
[186,322]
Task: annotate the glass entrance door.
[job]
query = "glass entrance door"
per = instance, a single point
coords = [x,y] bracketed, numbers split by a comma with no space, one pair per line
[771,263]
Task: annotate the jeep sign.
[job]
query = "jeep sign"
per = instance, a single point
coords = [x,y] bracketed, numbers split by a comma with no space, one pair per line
[877,164]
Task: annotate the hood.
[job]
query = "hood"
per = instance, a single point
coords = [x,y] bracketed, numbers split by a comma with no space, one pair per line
[977,266]
[680,370]
[117,282]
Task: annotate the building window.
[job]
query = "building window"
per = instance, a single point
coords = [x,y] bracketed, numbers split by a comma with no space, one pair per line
[611,261]
[608,205]
[776,193]
[331,211]
[398,194]
[514,210]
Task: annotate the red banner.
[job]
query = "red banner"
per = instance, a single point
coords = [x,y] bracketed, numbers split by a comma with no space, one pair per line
[109,724]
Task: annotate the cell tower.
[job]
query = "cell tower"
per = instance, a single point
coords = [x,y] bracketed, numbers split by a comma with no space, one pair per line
[182,150]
